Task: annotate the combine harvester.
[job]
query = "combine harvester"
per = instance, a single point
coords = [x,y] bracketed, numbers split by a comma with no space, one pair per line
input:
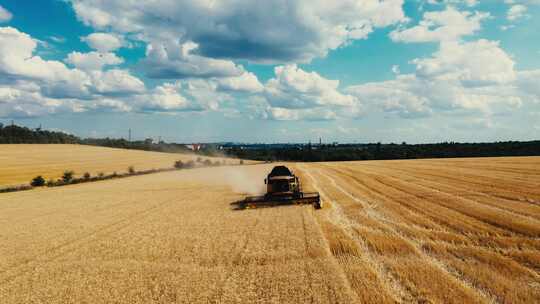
[282,188]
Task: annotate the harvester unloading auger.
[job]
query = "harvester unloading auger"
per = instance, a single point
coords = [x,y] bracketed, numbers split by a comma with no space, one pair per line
[282,188]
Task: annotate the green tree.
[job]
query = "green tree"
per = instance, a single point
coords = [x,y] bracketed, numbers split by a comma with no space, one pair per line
[38,181]
[68,176]
[179,164]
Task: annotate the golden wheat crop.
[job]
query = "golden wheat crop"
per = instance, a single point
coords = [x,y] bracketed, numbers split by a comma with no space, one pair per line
[437,231]
[419,231]
[20,163]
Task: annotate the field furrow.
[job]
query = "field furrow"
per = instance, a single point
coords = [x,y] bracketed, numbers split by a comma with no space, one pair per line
[464,250]
[392,251]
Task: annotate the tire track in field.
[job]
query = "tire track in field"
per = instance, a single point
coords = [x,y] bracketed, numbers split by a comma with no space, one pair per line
[441,266]
[330,256]
[306,267]
[490,226]
[474,179]
[470,214]
[530,271]
[439,225]
[335,263]
[463,187]
[411,210]
[493,225]
[512,171]
[73,245]
[438,264]
[500,201]
[446,223]
[492,173]
[337,216]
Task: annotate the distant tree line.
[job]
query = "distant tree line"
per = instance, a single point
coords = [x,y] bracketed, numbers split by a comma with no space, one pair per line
[380,151]
[13,134]
[146,145]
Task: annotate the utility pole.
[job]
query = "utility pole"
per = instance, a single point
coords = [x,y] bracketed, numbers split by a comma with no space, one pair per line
[129,136]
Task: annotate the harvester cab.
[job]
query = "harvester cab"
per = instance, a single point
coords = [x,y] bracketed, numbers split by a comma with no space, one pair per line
[281,183]
[282,188]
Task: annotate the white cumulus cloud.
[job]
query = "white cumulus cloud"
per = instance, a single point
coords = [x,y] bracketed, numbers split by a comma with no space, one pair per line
[38,86]
[93,60]
[295,94]
[461,76]
[527,82]
[5,15]
[516,12]
[263,31]
[276,113]
[165,98]
[247,82]
[25,100]
[466,77]
[469,3]
[448,25]
[295,88]
[104,42]
[480,62]
[176,60]
[183,96]
[116,82]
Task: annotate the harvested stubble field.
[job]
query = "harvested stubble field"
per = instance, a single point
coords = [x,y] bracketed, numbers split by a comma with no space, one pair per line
[421,231]
[20,163]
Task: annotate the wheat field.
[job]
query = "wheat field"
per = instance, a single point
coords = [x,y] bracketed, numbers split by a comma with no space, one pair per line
[412,231]
[20,163]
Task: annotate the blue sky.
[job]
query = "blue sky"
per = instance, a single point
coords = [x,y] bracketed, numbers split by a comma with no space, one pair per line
[347,71]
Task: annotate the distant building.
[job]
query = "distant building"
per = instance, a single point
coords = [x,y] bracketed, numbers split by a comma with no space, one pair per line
[194,147]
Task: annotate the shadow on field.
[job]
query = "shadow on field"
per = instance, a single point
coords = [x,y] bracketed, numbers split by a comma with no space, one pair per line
[238,205]
[243,205]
